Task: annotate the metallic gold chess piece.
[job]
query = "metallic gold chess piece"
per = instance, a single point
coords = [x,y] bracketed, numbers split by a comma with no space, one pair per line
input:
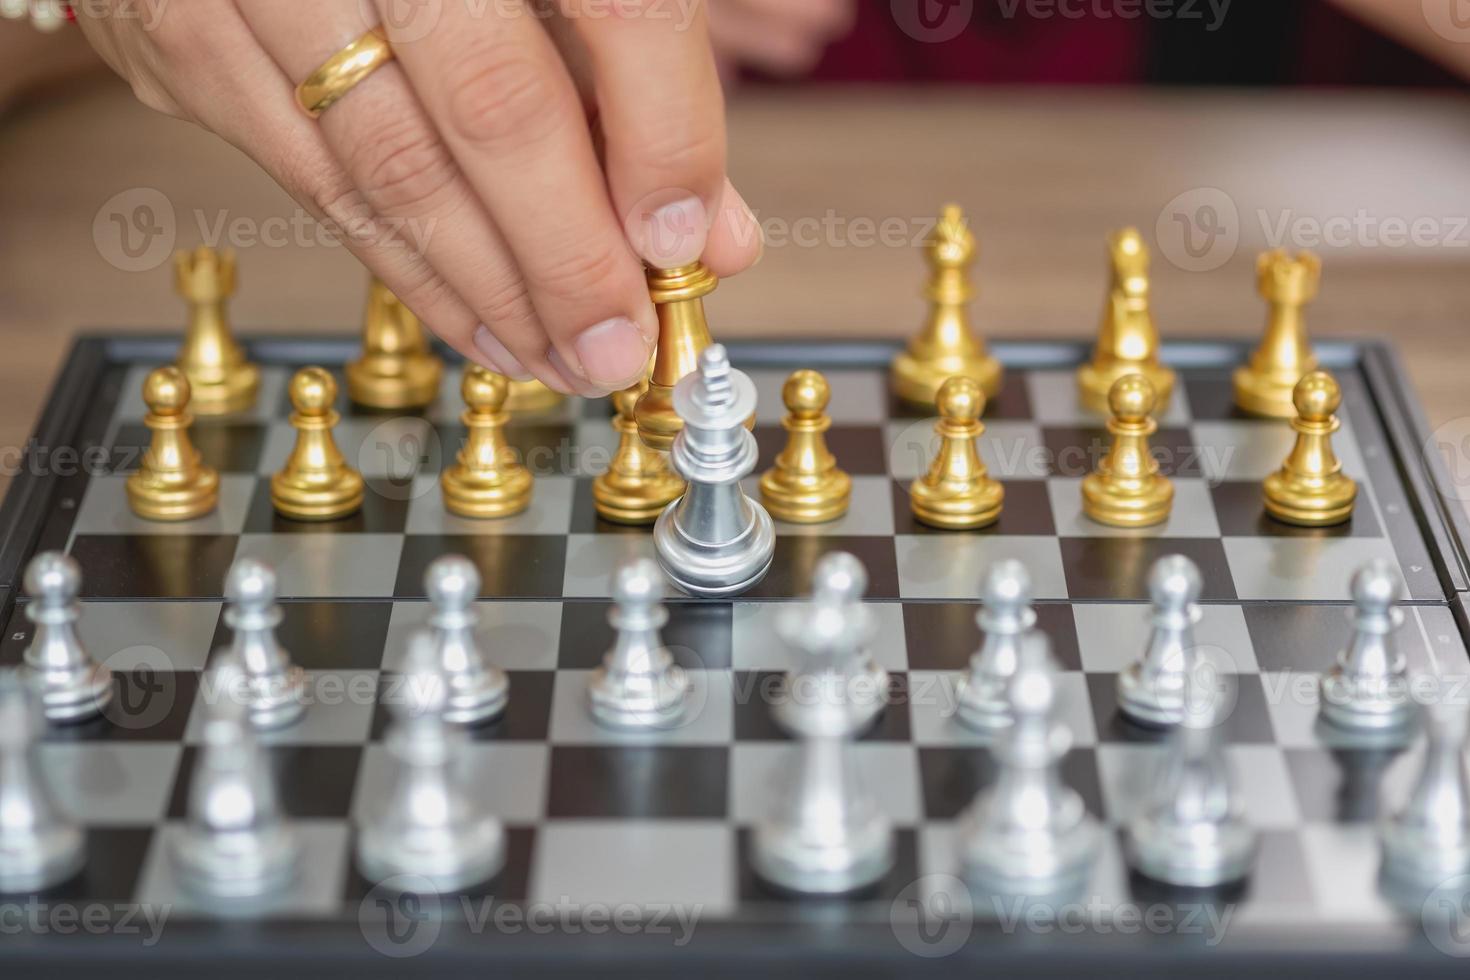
[172,484]
[1310,489]
[1126,489]
[683,332]
[485,480]
[805,485]
[223,381]
[530,397]
[396,370]
[1128,342]
[1264,385]
[638,483]
[948,345]
[957,493]
[316,484]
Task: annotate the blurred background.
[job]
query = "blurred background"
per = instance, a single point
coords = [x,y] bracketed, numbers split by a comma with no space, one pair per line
[1219,128]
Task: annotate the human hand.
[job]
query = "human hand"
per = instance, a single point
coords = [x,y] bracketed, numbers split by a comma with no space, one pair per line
[783,37]
[465,172]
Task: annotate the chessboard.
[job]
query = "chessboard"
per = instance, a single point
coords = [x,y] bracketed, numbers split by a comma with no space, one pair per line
[629,853]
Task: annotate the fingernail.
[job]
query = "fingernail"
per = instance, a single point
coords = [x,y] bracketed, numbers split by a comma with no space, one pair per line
[578,385]
[501,360]
[672,235]
[613,353]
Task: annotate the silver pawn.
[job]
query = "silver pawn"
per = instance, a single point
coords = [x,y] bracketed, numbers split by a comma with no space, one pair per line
[274,686]
[1005,617]
[1367,689]
[837,687]
[1151,690]
[235,844]
[478,690]
[1029,833]
[1428,841]
[427,829]
[39,846]
[714,540]
[1190,831]
[827,835]
[638,685]
[73,687]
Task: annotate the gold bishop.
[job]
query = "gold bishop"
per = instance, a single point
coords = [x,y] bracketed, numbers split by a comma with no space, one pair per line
[1126,489]
[221,379]
[948,345]
[171,484]
[316,484]
[485,480]
[1128,342]
[683,332]
[957,493]
[638,484]
[396,370]
[805,485]
[1264,385]
[1310,489]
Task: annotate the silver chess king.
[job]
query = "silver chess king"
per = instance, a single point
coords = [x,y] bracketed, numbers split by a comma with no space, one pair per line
[714,540]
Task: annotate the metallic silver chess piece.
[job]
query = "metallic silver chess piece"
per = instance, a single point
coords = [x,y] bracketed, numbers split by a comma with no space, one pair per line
[235,844]
[73,687]
[478,690]
[1190,831]
[1428,841]
[1151,690]
[39,845]
[827,834]
[638,685]
[1367,689]
[714,540]
[274,685]
[837,687]
[1006,617]
[1029,833]
[427,829]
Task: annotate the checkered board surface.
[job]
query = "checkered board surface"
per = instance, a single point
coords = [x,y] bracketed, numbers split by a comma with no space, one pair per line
[648,821]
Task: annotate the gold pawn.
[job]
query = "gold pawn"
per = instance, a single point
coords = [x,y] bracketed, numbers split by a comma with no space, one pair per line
[316,484]
[531,397]
[948,345]
[1265,384]
[396,370]
[1310,489]
[485,480]
[1126,489]
[957,493]
[222,380]
[683,331]
[805,485]
[638,484]
[1128,342]
[172,484]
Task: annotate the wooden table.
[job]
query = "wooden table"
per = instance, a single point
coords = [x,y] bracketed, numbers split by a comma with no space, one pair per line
[1044,174]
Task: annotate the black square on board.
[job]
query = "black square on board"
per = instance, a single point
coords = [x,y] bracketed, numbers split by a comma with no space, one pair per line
[1295,637]
[323,635]
[312,781]
[154,566]
[1075,451]
[1248,722]
[384,511]
[944,635]
[111,872]
[1027,510]
[796,558]
[1241,511]
[950,777]
[1117,567]
[511,566]
[755,691]
[639,782]
[860,450]
[230,447]
[698,634]
[586,520]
